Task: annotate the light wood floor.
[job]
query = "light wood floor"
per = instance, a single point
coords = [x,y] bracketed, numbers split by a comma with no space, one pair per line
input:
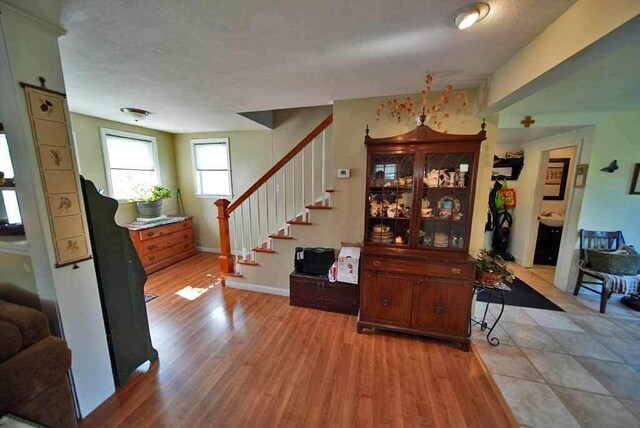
[237,358]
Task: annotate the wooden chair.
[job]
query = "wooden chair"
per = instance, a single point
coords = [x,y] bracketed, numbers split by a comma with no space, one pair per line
[596,240]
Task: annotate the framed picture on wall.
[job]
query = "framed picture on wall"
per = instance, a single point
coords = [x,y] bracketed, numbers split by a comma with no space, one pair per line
[635,181]
[581,175]
[555,181]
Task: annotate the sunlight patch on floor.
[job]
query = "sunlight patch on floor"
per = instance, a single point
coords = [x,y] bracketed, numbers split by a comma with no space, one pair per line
[192,293]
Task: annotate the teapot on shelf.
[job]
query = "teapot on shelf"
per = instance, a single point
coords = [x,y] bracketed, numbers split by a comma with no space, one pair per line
[437,178]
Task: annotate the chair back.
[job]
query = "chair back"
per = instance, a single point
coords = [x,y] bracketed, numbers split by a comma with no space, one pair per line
[599,240]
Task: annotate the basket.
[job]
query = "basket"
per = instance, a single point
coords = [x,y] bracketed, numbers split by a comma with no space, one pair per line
[487,278]
[614,263]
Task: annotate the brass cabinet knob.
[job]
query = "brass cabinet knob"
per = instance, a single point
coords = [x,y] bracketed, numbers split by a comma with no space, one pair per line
[456,271]
[385,300]
[376,263]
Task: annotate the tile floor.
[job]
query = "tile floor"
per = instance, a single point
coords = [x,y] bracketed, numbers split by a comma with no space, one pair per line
[565,369]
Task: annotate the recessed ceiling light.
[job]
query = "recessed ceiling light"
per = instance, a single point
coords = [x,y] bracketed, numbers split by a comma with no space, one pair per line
[138,115]
[470,14]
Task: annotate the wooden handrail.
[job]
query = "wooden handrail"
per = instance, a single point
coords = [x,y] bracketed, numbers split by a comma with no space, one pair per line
[225,208]
[282,162]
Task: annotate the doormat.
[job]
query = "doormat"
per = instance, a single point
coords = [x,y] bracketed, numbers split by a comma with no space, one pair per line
[524,295]
[149,297]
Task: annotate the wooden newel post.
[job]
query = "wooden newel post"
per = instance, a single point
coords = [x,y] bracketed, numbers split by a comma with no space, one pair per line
[226,258]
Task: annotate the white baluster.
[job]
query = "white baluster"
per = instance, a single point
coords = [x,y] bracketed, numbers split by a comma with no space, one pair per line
[322,190]
[266,198]
[275,198]
[242,229]
[235,243]
[259,219]
[313,172]
[250,226]
[284,192]
[302,180]
[293,187]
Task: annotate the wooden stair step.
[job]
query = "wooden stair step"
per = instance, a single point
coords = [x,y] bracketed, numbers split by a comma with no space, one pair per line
[262,250]
[233,275]
[247,262]
[318,206]
[280,236]
[300,222]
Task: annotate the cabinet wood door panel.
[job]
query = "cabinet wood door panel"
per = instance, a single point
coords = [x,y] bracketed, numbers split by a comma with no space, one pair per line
[442,307]
[386,298]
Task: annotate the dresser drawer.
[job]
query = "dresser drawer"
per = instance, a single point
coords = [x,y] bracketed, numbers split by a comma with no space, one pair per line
[153,245]
[450,270]
[163,254]
[164,230]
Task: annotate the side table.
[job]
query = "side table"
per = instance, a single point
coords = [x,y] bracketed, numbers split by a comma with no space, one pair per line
[493,292]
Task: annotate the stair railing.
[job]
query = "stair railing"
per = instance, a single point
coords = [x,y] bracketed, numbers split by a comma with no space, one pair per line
[248,229]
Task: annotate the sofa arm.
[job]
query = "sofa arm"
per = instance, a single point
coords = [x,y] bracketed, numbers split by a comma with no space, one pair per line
[31,371]
[33,325]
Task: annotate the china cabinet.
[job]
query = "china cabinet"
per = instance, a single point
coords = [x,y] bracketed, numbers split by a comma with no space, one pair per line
[417,275]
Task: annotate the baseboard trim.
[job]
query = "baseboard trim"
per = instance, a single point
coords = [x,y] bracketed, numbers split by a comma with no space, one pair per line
[214,250]
[257,288]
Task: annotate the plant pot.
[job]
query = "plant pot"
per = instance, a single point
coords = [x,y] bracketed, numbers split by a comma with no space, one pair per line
[150,210]
[487,278]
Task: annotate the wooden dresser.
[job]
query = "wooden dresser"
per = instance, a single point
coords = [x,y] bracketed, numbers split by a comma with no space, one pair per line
[417,275]
[162,246]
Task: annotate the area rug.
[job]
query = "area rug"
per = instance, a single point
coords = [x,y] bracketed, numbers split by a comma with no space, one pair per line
[524,295]
[149,297]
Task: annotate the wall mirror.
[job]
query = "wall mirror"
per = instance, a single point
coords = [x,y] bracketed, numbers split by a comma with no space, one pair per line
[555,181]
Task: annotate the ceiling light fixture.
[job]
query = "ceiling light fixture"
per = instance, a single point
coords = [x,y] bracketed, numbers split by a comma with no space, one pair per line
[470,14]
[138,115]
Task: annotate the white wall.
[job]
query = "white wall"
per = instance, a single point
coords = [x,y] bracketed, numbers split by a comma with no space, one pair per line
[69,297]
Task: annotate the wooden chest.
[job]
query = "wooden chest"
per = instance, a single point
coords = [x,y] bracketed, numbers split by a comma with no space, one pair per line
[315,291]
[162,246]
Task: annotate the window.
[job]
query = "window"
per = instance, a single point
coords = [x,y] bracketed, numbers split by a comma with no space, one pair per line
[9,209]
[212,168]
[130,160]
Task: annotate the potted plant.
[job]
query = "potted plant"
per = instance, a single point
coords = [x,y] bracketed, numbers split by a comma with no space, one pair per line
[491,269]
[149,201]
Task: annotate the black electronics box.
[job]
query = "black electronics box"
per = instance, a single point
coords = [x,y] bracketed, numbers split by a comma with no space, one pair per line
[314,261]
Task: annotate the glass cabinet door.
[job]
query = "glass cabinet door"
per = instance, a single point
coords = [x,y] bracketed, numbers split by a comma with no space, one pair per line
[390,199]
[445,201]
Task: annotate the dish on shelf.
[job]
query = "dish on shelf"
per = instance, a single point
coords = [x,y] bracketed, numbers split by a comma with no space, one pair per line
[448,206]
[381,228]
[441,240]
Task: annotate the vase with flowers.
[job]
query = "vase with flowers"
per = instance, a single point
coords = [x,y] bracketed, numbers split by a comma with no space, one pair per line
[149,199]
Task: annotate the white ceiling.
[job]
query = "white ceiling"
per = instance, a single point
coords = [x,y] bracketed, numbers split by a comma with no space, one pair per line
[607,82]
[195,64]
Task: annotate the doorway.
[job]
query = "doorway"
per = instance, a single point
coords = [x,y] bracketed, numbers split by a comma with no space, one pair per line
[553,195]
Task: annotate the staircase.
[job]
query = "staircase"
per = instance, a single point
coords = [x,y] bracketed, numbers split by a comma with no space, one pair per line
[289,206]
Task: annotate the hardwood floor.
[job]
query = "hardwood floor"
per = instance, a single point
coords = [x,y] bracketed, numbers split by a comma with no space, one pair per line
[238,358]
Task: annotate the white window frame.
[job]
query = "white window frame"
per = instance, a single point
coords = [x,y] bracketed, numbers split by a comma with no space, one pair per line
[194,143]
[105,154]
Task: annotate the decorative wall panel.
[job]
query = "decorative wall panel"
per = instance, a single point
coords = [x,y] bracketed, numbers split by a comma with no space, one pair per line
[50,132]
